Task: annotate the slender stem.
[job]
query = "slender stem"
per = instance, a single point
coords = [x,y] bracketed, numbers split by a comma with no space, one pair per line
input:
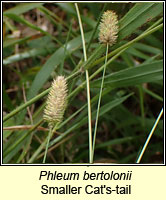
[48,140]
[89,118]
[87,84]
[155,24]
[141,97]
[153,94]
[82,32]
[149,137]
[57,145]
[36,153]
[24,127]
[99,102]
[50,134]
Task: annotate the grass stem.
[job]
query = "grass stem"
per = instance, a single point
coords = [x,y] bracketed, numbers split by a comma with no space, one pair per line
[99,102]
[47,145]
[87,84]
[149,137]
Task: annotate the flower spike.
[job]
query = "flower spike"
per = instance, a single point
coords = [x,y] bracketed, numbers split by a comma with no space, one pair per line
[56,102]
[108,28]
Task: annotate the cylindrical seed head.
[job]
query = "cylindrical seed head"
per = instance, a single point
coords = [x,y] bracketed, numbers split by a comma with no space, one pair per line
[56,102]
[108,28]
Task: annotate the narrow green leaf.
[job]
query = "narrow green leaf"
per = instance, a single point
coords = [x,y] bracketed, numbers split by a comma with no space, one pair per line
[27,54]
[13,41]
[133,76]
[140,14]
[137,53]
[147,48]
[22,8]
[116,141]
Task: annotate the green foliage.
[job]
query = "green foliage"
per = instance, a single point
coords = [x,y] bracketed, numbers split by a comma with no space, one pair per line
[41,41]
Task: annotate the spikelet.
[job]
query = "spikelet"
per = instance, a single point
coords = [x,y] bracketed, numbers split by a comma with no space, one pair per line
[108,28]
[56,102]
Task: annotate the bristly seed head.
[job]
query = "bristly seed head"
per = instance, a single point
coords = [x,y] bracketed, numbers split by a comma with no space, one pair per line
[56,102]
[108,28]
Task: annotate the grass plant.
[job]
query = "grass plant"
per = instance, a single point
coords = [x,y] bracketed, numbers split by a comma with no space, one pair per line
[122,85]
